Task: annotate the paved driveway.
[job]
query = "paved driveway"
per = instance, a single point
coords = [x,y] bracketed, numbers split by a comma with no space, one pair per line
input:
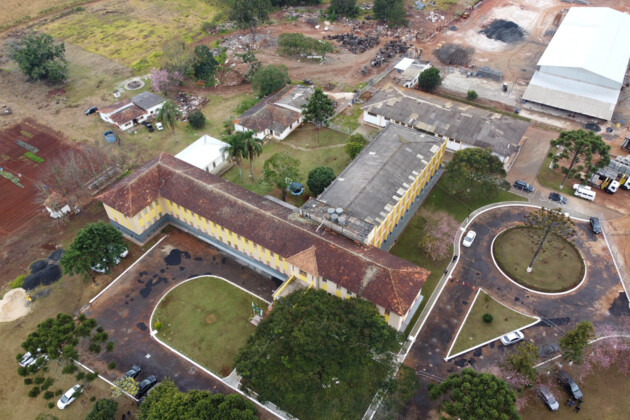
[600,299]
[125,309]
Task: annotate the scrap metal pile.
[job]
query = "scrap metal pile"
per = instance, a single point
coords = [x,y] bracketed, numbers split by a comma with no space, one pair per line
[355,44]
[390,50]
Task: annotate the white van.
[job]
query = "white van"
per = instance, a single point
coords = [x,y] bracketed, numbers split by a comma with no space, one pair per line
[585,192]
[612,187]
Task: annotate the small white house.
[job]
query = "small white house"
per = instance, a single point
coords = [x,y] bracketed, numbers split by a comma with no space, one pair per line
[408,71]
[127,113]
[207,153]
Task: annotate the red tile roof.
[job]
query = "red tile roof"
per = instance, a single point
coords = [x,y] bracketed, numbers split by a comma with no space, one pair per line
[127,115]
[369,272]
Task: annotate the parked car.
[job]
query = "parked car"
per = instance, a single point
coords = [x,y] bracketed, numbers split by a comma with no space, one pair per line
[101,269]
[133,372]
[159,126]
[596,226]
[547,397]
[469,238]
[522,185]
[27,359]
[569,384]
[145,386]
[91,110]
[512,338]
[557,198]
[70,395]
[150,127]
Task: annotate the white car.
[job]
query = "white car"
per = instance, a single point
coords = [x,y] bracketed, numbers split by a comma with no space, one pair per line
[159,126]
[469,238]
[512,338]
[102,270]
[70,395]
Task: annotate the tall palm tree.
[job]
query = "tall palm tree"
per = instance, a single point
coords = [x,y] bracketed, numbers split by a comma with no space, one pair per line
[168,115]
[254,147]
[236,150]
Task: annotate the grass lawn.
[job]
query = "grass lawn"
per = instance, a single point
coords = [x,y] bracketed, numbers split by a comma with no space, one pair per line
[558,268]
[335,157]
[407,246]
[551,178]
[207,319]
[476,331]
[349,118]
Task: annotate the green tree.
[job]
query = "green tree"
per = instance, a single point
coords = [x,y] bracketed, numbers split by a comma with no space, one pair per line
[318,109]
[39,57]
[103,409]
[574,342]
[356,143]
[471,95]
[543,222]
[320,178]
[236,149]
[577,146]
[249,13]
[391,11]
[296,44]
[168,115]
[429,79]
[166,402]
[124,385]
[474,170]
[97,244]
[178,58]
[196,119]
[245,145]
[205,65]
[346,8]
[400,391]
[473,395]
[523,359]
[270,78]
[281,169]
[318,356]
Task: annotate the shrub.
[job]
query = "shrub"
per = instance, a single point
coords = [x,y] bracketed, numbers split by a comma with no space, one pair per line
[39,380]
[319,178]
[196,119]
[245,104]
[100,329]
[208,27]
[94,348]
[34,392]
[18,282]
[111,365]
[299,44]
[48,395]
[92,398]
[91,376]
[32,156]
[471,95]
[47,383]
[158,326]
[109,346]
[487,318]
[28,381]
[22,371]
[71,368]
[80,376]
[58,392]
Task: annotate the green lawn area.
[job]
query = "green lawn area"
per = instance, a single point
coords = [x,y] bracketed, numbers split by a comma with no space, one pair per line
[558,268]
[551,178]
[335,157]
[476,331]
[207,319]
[407,245]
[349,118]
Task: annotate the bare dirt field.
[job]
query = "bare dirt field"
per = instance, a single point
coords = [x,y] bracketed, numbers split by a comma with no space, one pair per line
[20,203]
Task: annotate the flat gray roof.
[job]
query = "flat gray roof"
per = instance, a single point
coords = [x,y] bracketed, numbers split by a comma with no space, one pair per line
[376,179]
[458,121]
[147,100]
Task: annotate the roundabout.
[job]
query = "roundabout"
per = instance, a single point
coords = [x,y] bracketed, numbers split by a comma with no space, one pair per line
[558,269]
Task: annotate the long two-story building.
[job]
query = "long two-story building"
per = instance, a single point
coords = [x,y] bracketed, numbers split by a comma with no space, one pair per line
[263,234]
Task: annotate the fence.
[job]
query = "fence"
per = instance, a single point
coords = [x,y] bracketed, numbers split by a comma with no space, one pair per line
[340,128]
[373,81]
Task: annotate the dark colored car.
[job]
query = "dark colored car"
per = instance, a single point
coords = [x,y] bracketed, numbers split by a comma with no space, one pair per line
[91,110]
[557,198]
[133,372]
[596,226]
[569,384]
[522,185]
[547,397]
[150,127]
[145,386]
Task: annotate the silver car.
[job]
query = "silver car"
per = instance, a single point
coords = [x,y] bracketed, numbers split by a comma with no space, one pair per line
[547,397]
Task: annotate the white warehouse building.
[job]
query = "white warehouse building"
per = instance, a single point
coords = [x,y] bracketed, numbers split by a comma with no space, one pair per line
[584,66]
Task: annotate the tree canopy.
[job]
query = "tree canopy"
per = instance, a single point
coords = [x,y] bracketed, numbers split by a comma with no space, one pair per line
[270,78]
[103,409]
[165,401]
[356,143]
[473,170]
[96,244]
[523,359]
[574,342]
[318,356]
[391,11]
[347,8]
[249,13]
[168,115]
[235,148]
[543,222]
[318,109]
[39,57]
[297,44]
[196,119]
[205,65]
[579,147]
[471,395]
[430,79]
[319,178]
[281,169]
[439,229]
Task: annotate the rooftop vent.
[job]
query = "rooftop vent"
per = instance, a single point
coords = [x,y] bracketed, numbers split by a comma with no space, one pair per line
[330,210]
[334,217]
[339,210]
[342,220]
